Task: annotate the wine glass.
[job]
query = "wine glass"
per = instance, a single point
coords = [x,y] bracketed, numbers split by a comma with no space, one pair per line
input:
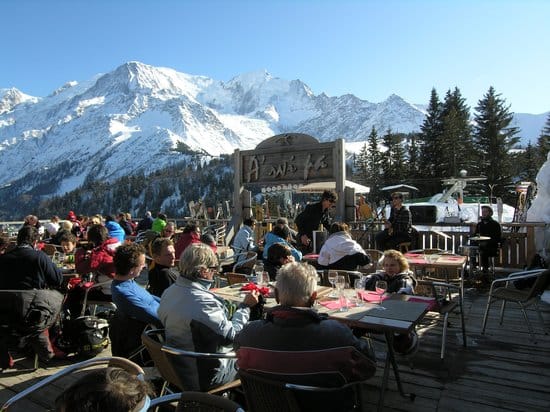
[340,282]
[332,279]
[381,287]
[263,279]
[358,285]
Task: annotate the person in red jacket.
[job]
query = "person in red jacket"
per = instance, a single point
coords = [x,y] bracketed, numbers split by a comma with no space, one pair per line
[191,234]
[99,259]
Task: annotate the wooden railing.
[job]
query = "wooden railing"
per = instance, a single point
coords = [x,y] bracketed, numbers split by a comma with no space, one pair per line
[517,249]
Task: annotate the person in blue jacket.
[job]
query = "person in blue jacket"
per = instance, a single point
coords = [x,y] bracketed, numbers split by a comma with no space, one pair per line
[115,230]
[280,234]
[129,297]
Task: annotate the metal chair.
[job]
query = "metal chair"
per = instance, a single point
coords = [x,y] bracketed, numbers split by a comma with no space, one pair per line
[265,394]
[110,361]
[196,401]
[87,302]
[163,357]
[524,298]
[444,304]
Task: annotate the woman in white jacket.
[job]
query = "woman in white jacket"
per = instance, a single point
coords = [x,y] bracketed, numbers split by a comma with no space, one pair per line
[340,251]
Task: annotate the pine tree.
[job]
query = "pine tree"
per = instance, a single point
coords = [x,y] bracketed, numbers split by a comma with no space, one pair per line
[455,147]
[494,137]
[428,143]
[373,164]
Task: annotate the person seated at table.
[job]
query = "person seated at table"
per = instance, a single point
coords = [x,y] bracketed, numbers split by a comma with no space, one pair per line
[190,235]
[115,230]
[4,244]
[163,273]
[277,256]
[314,215]
[107,390]
[196,319]
[98,260]
[399,279]
[24,268]
[146,223]
[489,227]
[68,243]
[280,234]
[398,227]
[129,297]
[340,251]
[330,354]
[245,240]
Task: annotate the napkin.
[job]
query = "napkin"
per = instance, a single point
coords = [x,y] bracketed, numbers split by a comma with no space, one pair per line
[371,296]
[251,287]
[335,304]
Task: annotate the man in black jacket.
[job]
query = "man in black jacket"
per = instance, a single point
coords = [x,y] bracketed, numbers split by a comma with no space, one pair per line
[311,217]
[32,273]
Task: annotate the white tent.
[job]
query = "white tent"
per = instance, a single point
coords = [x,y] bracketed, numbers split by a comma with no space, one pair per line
[320,187]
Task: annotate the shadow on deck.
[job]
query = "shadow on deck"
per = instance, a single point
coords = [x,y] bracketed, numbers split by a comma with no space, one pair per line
[501,370]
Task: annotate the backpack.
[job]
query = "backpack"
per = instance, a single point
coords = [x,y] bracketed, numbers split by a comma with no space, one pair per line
[85,335]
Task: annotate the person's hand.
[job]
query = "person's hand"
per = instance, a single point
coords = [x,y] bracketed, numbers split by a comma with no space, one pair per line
[251,299]
[305,240]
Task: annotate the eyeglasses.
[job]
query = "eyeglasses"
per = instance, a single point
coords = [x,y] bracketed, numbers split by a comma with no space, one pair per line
[396,197]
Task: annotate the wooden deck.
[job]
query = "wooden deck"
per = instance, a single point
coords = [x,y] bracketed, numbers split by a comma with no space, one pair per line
[502,370]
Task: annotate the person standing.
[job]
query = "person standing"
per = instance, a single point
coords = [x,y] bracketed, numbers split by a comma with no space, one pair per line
[398,228]
[489,227]
[314,215]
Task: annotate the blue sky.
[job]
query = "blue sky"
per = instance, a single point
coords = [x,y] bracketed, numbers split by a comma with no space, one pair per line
[370,48]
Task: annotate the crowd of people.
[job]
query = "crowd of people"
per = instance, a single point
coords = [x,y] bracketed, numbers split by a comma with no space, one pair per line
[179,299]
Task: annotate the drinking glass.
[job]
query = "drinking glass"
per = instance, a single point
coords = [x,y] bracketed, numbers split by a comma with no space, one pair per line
[263,279]
[358,285]
[381,287]
[340,282]
[332,279]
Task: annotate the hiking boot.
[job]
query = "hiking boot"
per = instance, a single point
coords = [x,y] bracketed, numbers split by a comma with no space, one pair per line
[405,344]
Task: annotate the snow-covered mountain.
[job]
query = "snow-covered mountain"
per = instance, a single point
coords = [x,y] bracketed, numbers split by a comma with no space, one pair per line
[128,120]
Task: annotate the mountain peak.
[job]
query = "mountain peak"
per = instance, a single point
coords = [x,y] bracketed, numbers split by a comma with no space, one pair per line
[251,79]
[9,98]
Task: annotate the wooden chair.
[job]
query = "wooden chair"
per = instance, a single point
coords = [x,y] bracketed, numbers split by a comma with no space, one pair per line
[448,298]
[265,394]
[403,247]
[375,256]
[233,278]
[524,298]
[113,361]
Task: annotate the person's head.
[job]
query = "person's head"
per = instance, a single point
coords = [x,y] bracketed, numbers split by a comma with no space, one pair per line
[67,242]
[249,221]
[71,216]
[128,216]
[162,216]
[281,231]
[282,221]
[393,262]
[96,220]
[168,230]
[338,227]
[296,285]
[121,217]
[163,251]
[31,220]
[97,234]
[54,219]
[106,390]
[328,199]
[27,235]
[129,259]
[279,254]
[486,212]
[65,225]
[192,226]
[198,261]
[148,214]
[397,199]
